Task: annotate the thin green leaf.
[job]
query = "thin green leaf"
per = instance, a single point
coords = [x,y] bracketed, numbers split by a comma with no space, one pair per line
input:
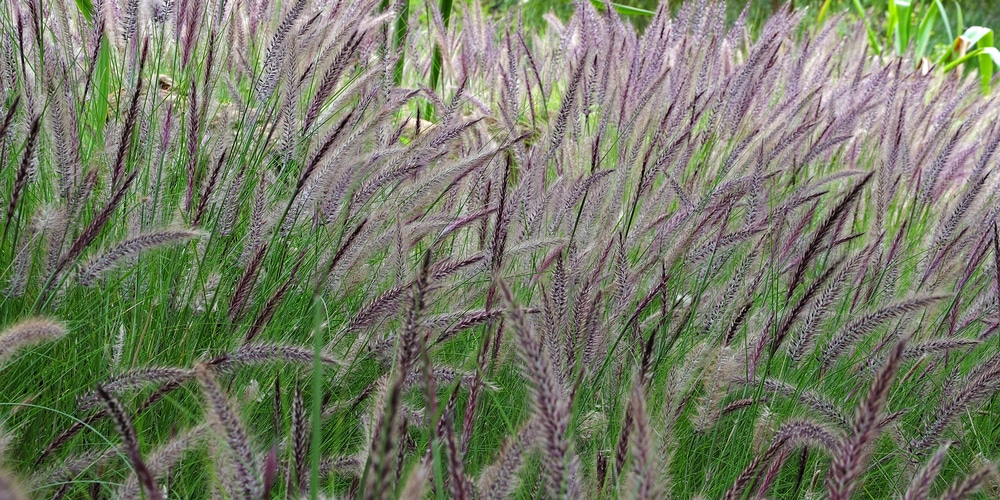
[903,11]
[626,9]
[822,12]
[924,34]
[944,17]
[976,33]
[872,38]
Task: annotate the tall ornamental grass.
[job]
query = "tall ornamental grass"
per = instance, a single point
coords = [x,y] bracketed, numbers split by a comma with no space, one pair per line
[239,260]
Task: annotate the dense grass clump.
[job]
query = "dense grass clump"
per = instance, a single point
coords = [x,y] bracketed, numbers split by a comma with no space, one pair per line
[269,257]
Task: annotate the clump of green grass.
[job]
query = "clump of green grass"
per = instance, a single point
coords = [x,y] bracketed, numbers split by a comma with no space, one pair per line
[275,277]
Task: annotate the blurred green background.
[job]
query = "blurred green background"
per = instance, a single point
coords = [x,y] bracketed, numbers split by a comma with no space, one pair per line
[974,12]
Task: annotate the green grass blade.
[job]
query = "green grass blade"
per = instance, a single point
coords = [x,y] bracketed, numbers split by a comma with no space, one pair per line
[315,407]
[960,19]
[961,60]
[944,17]
[96,115]
[822,12]
[903,12]
[625,9]
[925,30]
[436,61]
[402,28]
[872,38]
[890,27]
[975,34]
[987,59]
[86,8]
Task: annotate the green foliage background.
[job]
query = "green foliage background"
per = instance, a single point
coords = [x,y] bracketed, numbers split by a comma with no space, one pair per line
[975,12]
